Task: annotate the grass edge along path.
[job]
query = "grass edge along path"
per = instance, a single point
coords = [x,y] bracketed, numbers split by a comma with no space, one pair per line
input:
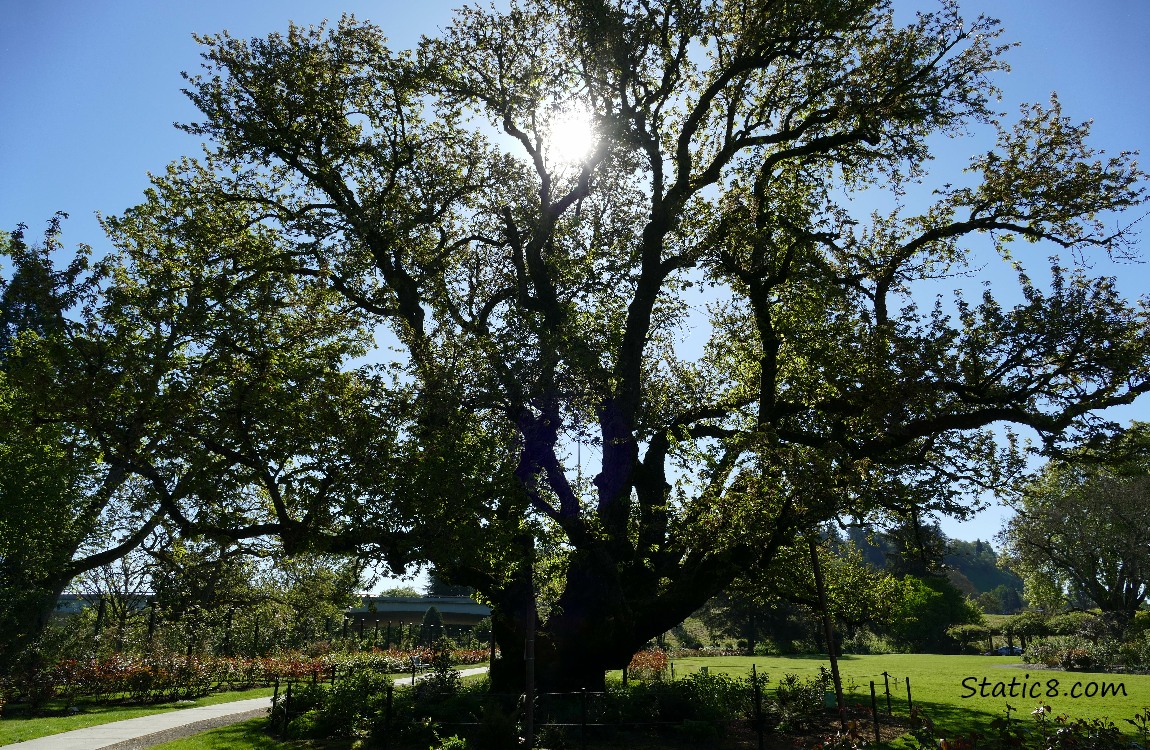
[245,735]
[20,728]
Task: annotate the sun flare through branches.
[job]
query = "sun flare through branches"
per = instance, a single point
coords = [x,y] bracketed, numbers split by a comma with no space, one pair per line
[571,136]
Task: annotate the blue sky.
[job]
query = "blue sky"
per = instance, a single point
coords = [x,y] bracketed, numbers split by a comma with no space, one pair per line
[90,91]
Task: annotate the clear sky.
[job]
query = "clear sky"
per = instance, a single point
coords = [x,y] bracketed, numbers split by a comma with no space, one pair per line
[89,92]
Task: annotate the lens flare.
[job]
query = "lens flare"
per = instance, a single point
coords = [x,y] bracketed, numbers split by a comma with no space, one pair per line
[571,137]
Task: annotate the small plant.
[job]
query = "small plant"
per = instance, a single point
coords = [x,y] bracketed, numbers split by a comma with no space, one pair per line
[454,742]
[700,733]
[801,701]
[851,685]
[1141,723]
[498,729]
[553,738]
[851,739]
[444,679]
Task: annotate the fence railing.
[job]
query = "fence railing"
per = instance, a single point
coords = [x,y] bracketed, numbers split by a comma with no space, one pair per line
[587,713]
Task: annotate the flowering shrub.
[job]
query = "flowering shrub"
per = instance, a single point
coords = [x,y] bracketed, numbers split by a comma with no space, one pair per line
[164,677]
[470,655]
[686,653]
[648,665]
[1074,652]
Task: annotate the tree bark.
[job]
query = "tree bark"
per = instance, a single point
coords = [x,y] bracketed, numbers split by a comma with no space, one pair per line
[30,621]
[597,625]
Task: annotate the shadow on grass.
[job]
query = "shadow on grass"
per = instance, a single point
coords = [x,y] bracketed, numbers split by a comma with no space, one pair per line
[246,735]
[810,657]
[53,710]
[950,719]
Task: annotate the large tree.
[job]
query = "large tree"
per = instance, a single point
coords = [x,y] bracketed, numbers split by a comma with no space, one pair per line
[1082,527]
[537,302]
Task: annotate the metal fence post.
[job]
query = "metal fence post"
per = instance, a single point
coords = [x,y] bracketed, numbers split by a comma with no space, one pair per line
[583,718]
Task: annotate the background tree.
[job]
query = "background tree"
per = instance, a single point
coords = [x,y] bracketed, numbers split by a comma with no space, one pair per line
[105,365]
[64,510]
[249,599]
[915,548]
[120,594]
[538,298]
[402,591]
[923,611]
[926,601]
[859,596]
[431,628]
[1083,526]
[436,586]
[315,590]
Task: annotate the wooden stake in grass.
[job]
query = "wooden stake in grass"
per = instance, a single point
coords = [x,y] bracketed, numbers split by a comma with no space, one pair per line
[287,707]
[758,704]
[387,717]
[874,712]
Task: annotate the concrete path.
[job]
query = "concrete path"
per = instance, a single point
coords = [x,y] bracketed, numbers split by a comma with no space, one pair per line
[118,733]
[146,731]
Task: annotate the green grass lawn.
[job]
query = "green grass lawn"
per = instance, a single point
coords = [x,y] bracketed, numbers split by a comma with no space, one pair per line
[17,727]
[950,688]
[946,687]
[247,735]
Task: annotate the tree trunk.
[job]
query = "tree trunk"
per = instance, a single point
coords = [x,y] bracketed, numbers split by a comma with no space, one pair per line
[594,627]
[27,622]
[562,663]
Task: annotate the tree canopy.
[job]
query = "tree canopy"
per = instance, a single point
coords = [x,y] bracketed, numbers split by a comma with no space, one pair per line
[536,302]
[1082,528]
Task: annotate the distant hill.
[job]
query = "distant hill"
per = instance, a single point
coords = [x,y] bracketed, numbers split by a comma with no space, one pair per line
[971,566]
[978,561]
